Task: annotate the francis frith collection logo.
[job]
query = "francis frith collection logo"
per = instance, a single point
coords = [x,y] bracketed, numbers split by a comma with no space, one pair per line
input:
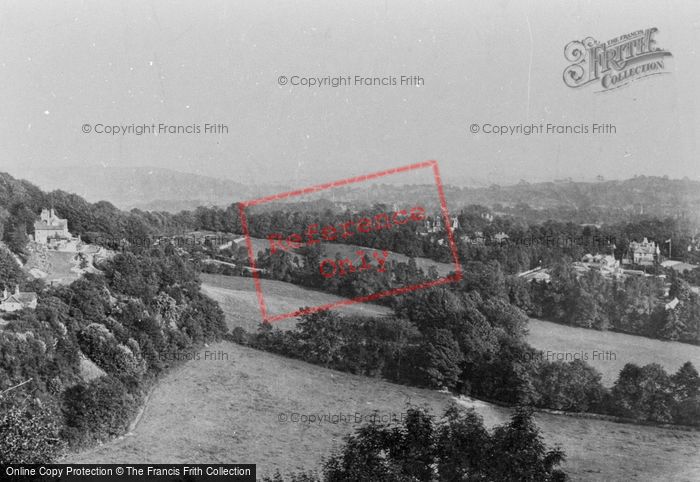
[614,63]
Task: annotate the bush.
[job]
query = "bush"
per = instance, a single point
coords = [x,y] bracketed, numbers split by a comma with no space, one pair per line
[573,386]
[687,412]
[29,431]
[100,345]
[643,393]
[97,411]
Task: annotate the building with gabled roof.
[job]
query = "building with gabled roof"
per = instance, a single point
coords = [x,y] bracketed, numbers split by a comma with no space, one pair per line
[50,227]
[18,300]
[643,253]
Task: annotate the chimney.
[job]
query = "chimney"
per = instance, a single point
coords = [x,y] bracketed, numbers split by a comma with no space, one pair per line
[4,293]
[17,290]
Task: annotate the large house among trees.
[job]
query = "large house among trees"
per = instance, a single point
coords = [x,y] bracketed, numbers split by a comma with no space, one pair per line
[50,227]
[643,253]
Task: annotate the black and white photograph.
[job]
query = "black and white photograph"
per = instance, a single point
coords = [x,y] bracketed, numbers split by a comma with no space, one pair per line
[378,240]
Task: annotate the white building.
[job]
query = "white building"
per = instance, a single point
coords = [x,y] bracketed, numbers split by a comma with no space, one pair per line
[501,237]
[17,300]
[644,252]
[436,226]
[672,304]
[605,263]
[487,216]
[537,274]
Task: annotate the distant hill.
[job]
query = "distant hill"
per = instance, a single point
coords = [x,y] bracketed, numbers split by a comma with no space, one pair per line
[146,188]
[156,189]
[581,202]
[640,193]
[21,202]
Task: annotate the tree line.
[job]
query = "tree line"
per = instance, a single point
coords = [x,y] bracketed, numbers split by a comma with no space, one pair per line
[631,305]
[456,446]
[442,338]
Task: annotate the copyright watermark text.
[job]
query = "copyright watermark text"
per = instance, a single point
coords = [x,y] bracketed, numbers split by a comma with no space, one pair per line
[338,418]
[334,81]
[542,129]
[154,129]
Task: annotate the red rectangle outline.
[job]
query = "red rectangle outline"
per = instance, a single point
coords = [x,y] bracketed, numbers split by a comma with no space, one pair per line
[361,299]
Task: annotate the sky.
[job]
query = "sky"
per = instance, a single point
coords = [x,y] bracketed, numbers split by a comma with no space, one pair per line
[65,64]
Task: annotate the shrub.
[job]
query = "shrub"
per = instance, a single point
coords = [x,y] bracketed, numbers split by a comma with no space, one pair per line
[29,431]
[98,410]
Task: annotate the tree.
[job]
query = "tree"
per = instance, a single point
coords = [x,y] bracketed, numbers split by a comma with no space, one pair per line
[686,382]
[10,272]
[673,326]
[442,359]
[568,386]
[321,338]
[99,344]
[29,431]
[97,410]
[686,393]
[462,444]
[643,393]
[518,452]
[16,237]
[364,457]
[458,447]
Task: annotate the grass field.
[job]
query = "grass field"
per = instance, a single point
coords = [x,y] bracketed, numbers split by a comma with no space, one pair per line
[558,338]
[350,251]
[230,411]
[236,296]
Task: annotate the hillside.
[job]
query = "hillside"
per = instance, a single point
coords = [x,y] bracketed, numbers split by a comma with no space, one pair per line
[657,195]
[582,202]
[224,399]
[237,297]
[21,202]
[145,188]
[230,410]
